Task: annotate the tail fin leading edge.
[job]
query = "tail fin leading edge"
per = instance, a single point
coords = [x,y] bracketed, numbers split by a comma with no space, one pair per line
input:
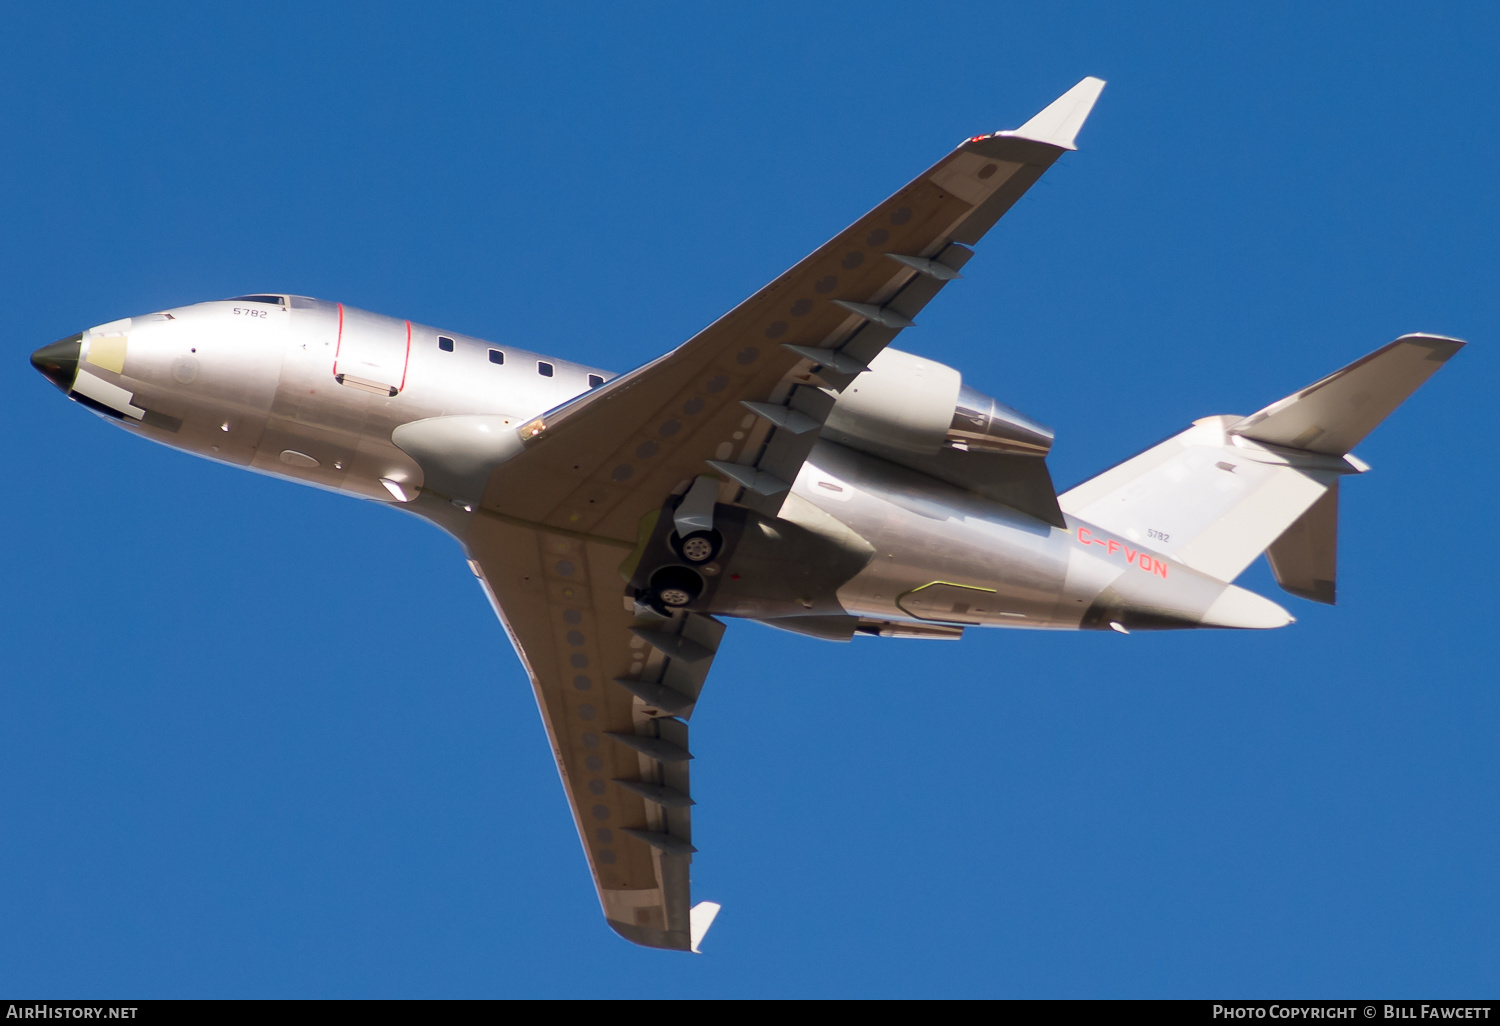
[1229,488]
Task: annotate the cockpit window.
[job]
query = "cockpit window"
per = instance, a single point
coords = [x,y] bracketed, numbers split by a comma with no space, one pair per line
[274,300]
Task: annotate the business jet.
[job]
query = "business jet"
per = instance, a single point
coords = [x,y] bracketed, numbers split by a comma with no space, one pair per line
[787,465]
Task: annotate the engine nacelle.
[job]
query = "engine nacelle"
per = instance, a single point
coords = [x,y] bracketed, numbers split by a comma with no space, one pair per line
[915,405]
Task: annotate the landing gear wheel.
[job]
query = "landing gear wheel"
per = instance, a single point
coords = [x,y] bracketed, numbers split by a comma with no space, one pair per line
[676,586]
[699,547]
[652,601]
[676,597]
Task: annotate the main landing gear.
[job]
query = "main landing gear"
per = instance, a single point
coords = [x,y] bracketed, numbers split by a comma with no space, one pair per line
[699,547]
[673,587]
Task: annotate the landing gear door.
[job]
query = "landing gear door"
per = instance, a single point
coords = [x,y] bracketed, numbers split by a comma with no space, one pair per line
[372,352]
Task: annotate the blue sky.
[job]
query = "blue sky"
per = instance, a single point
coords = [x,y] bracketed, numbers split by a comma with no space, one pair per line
[259,740]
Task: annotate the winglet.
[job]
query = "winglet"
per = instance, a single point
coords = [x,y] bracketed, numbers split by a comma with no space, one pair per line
[700,918]
[1059,123]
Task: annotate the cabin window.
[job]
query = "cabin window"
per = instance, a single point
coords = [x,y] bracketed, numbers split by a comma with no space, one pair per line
[445,343]
[496,356]
[595,380]
[544,369]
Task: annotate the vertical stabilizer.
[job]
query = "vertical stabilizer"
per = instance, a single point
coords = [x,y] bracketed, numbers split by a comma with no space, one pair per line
[1229,488]
[1305,557]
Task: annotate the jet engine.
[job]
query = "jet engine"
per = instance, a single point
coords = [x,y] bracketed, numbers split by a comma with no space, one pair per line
[917,407]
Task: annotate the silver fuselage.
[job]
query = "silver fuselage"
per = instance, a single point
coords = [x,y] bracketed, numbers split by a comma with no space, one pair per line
[311,391]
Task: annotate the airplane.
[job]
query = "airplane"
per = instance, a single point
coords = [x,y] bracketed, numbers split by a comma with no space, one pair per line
[785,465]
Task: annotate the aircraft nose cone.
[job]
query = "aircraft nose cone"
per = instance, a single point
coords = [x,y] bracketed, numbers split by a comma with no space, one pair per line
[59,361]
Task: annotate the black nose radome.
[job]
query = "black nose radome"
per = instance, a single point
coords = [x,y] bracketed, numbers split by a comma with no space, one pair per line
[59,361]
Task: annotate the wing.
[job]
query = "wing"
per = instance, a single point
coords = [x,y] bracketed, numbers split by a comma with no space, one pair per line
[603,461]
[563,523]
[622,751]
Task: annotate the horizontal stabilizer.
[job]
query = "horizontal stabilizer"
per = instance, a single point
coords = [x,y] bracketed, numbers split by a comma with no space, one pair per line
[1229,488]
[1332,416]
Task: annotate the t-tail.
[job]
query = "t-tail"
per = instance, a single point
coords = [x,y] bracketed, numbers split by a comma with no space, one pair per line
[1229,488]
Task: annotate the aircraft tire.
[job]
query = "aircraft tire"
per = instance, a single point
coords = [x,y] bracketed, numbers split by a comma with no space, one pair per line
[699,547]
[676,586]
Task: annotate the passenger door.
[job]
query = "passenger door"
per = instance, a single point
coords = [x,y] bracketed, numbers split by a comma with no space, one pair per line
[372,352]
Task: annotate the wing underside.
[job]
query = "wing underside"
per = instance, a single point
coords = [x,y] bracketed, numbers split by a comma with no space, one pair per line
[622,749]
[563,524]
